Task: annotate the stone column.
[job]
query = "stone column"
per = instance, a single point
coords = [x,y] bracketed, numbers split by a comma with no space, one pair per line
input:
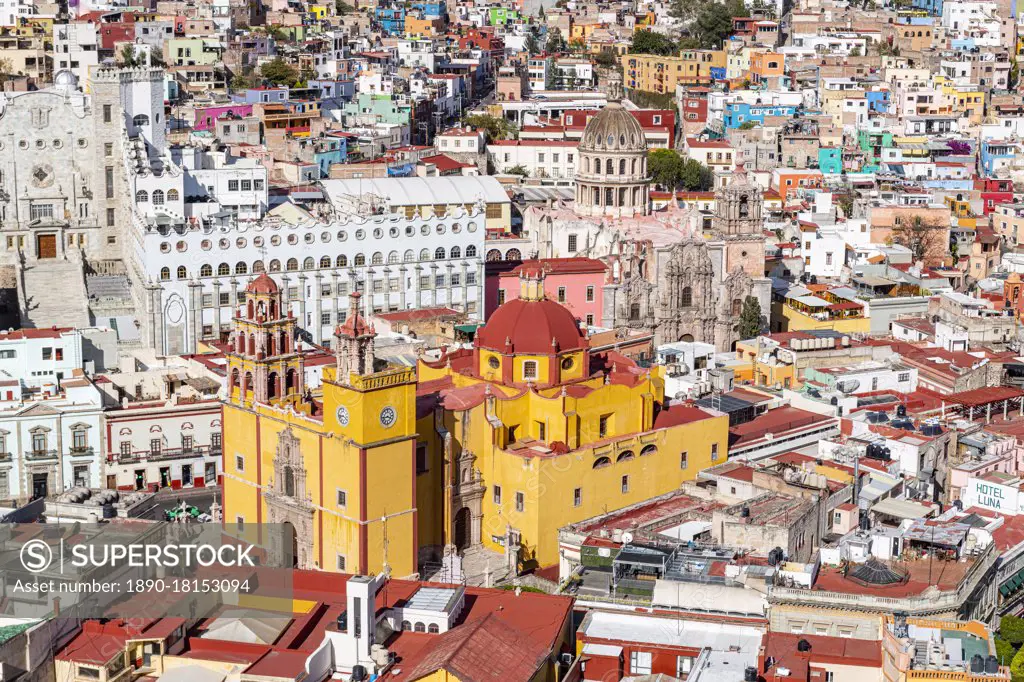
[303,319]
[419,285]
[403,278]
[233,303]
[318,308]
[195,326]
[465,285]
[451,290]
[216,308]
[368,297]
[285,303]
[480,290]
[433,282]
[387,289]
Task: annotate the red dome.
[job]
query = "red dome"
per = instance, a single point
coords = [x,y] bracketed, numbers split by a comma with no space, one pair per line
[530,327]
[262,285]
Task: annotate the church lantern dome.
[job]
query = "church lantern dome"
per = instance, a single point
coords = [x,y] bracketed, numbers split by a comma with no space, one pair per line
[263,284]
[613,129]
[532,328]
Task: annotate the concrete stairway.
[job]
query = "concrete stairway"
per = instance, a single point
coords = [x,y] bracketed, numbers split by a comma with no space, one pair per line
[53,294]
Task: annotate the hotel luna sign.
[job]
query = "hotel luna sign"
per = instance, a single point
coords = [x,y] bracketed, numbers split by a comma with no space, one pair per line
[1000,498]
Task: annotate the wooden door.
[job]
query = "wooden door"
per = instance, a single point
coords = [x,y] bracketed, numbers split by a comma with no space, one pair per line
[47,245]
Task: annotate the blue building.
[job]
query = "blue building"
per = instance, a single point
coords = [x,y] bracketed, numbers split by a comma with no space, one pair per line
[391,20]
[738,113]
[830,160]
[431,9]
[878,101]
[994,154]
[328,150]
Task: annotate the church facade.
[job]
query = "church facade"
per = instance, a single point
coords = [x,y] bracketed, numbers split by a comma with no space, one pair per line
[669,273]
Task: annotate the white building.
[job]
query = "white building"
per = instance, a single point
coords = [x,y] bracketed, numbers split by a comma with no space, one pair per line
[39,359]
[540,158]
[75,48]
[11,11]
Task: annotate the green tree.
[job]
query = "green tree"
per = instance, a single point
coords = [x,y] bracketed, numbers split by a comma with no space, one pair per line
[713,23]
[279,72]
[665,168]
[128,57]
[1017,666]
[649,42]
[1004,651]
[532,40]
[750,319]
[696,177]
[520,170]
[683,11]
[342,8]
[607,57]
[555,43]
[747,125]
[495,127]
[1011,628]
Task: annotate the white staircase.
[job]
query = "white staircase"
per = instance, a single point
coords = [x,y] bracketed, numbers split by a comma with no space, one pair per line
[52,293]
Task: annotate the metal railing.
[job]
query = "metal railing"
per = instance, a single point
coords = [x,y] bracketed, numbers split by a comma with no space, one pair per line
[163,454]
[944,601]
[32,455]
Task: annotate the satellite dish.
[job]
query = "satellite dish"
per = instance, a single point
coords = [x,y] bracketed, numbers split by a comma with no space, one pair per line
[627,538]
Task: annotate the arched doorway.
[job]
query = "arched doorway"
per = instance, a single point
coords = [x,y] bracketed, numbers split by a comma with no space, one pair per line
[463,537]
[686,338]
[291,540]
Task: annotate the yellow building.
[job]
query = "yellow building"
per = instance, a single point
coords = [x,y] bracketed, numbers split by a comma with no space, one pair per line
[337,467]
[656,73]
[493,447]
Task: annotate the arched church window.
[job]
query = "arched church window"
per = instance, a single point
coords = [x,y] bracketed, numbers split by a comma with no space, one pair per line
[341,261]
[609,196]
[258,267]
[165,274]
[634,312]
[289,481]
[439,253]
[744,207]
[409,256]
[377,258]
[393,257]
[325,262]
[241,268]
[609,167]
[206,270]
[622,167]
[493,255]
[424,254]
[586,164]
[513,254]
[601,462]
[223,269]
[420,627]
[292,265]
[433,629]
[275,265]
[172,195]
[456,252]
[141,197]
[687,297]
[182,272]
[140,120]
[360,259]
[307,264]
[737,306]
[158,197]
[470,251]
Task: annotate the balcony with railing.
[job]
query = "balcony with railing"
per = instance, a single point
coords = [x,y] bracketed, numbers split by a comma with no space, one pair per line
[165,454]
[37,455]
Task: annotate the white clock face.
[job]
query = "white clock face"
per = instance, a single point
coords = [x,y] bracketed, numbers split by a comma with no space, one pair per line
[388,417]
[342,415]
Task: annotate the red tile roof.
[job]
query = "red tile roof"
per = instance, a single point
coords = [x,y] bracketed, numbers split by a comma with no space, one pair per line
[470,653]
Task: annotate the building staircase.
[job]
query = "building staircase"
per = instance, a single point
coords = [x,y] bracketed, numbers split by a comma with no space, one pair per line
[51,292]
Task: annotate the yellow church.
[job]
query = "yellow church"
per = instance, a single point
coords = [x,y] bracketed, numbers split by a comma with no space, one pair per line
[493,447]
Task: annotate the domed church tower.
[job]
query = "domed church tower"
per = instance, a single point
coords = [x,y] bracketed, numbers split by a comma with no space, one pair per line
[611,173]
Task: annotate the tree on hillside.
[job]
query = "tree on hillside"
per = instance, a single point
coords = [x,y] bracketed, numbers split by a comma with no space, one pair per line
[750,318]
[128,57]
[1011,628]
[665,167]
[923,236]
[556,43]
[683,11]
[713,23]
[1017,667]
[532,40]
[520,170]
[696,177]
[649,42]
[279,72]
[495,127]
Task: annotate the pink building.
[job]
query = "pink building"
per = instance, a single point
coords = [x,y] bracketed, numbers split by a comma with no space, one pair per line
[206,117]
[576,283]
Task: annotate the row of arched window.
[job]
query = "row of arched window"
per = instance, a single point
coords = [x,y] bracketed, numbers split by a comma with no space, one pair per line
[609,166]
[292,264]
[142,196]
[624,456]
[420,627]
